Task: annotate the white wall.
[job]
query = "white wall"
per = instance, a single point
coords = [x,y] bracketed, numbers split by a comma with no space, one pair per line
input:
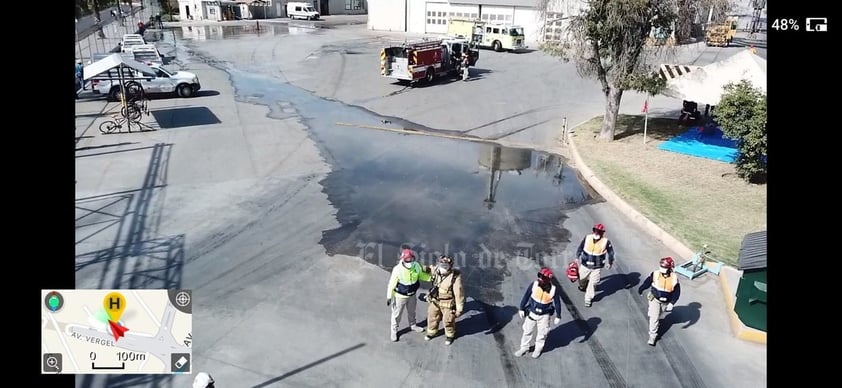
[468,11]
[501,15]
[386,15]
[529,19]
[435,18]
[417,16]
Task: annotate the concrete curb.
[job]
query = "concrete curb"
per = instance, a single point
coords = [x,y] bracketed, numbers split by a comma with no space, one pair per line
[739,329]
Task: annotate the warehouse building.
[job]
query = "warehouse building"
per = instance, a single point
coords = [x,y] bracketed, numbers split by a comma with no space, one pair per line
[431,16]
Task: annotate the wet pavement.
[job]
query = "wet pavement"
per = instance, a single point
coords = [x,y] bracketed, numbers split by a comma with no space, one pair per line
[268,217]
[479,202]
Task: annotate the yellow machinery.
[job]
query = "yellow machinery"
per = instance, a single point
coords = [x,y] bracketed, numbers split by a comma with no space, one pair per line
[722,34]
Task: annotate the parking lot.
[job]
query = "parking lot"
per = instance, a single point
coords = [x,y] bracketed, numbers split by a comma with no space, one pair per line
[251,195]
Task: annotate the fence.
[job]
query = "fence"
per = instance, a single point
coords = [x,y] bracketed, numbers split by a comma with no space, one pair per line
[113,32]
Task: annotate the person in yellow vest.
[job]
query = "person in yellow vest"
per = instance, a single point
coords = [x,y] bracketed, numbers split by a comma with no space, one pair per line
[664,291]
[400,293]
[537,306]
[594,253]
[445,300]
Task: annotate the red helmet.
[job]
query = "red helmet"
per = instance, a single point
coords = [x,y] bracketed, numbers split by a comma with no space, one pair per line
[667,262]
[599,228]
[406,254]
[545,273]
[573,271]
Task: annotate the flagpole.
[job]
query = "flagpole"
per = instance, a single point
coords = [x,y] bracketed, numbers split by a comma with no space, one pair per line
[645,118]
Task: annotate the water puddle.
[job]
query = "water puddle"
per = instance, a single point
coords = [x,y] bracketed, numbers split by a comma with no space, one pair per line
[488,206]
[251,29]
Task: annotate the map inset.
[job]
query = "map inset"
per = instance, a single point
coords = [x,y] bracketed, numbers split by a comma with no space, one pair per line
[116,331]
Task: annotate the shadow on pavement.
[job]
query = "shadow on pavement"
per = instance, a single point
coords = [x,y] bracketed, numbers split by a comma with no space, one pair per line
[184,117]
[688,315]
[490,319]
[613,283]
[564,334]
[308,366]
[138,257]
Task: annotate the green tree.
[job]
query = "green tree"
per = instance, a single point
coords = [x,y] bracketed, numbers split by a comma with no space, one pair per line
[741,113]
[607,42]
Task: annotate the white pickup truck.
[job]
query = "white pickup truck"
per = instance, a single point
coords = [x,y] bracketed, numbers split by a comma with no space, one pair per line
[182,83]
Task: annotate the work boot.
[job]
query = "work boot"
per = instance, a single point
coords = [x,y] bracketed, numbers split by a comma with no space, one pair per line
[448,341]
[581,288]
[416,328]
[536,353]
[428,337]
[588,304]
[651,341]
[394,337]
[520,352]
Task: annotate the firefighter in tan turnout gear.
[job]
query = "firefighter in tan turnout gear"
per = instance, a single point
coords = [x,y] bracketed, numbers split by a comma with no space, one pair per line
[446,299]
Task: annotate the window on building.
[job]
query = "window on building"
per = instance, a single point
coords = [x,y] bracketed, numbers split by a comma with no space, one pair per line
[485,17]
[473,16]
[553,30]
[354,5]
[429,14]
[508,18]
[212,11]
[492,17]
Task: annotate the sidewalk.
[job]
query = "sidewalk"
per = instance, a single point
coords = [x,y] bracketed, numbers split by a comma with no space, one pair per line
[93,44]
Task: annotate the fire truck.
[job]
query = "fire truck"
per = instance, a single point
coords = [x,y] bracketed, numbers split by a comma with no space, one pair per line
[425,60]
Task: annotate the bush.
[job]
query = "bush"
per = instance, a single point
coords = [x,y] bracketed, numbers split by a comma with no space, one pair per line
[741,114]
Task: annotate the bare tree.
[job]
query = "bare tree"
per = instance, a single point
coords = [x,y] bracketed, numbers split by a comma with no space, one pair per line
[607,40]
[689,10]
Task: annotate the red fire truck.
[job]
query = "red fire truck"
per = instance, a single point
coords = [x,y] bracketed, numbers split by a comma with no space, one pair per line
[426,60]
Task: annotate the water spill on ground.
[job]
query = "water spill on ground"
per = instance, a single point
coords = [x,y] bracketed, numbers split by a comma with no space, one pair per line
[481,203]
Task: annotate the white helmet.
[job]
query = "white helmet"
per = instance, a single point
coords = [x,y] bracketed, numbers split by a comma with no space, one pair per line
[203,380]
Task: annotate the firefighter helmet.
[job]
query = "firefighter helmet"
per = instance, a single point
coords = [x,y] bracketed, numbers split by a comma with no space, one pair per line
[599,228]
[545,274]
[406,254]
[667,262]
[573,271]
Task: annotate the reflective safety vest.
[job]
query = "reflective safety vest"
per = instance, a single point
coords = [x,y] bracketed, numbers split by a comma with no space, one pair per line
[662,286]
[595,248]
[408,279]
[541,302]
[594,251]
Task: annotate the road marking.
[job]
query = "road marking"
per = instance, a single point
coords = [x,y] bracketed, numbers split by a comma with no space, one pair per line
[63,342]
[148,311]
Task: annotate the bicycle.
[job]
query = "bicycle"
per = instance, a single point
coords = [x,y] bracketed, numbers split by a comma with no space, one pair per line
[111,125]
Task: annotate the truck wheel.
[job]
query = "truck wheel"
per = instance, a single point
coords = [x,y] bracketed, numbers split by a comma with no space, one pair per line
[184,90]
[497,46]
[430,75]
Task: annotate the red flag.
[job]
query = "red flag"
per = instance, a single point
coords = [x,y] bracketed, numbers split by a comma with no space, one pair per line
[645,106]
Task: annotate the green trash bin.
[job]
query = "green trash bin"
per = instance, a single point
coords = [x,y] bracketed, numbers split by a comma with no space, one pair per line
[750,304]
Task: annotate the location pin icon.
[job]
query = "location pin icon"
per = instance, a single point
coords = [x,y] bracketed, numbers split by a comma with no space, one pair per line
[114,304]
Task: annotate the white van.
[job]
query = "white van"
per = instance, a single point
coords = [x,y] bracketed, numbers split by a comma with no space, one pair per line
[302,11]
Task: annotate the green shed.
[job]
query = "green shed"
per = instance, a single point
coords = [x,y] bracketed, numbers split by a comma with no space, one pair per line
[750,304]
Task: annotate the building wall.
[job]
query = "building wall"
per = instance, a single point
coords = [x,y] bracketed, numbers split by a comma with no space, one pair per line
[430,16]
[341,7]
[530,20]
[464,11]
[417,16]
[387,15]
[435,17]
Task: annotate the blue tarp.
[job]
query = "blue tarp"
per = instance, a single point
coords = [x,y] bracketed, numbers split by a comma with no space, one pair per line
[708,143]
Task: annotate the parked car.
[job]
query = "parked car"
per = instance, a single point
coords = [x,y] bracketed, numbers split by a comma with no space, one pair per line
[182,83]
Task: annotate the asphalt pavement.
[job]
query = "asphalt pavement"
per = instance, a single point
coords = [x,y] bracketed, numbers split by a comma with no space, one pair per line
[284,223]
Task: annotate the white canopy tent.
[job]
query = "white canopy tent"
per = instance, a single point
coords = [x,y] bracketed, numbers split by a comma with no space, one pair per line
[116,61]
[705,85]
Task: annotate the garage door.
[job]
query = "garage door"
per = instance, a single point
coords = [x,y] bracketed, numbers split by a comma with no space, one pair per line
[501,15]
[464,11]
[436,18]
